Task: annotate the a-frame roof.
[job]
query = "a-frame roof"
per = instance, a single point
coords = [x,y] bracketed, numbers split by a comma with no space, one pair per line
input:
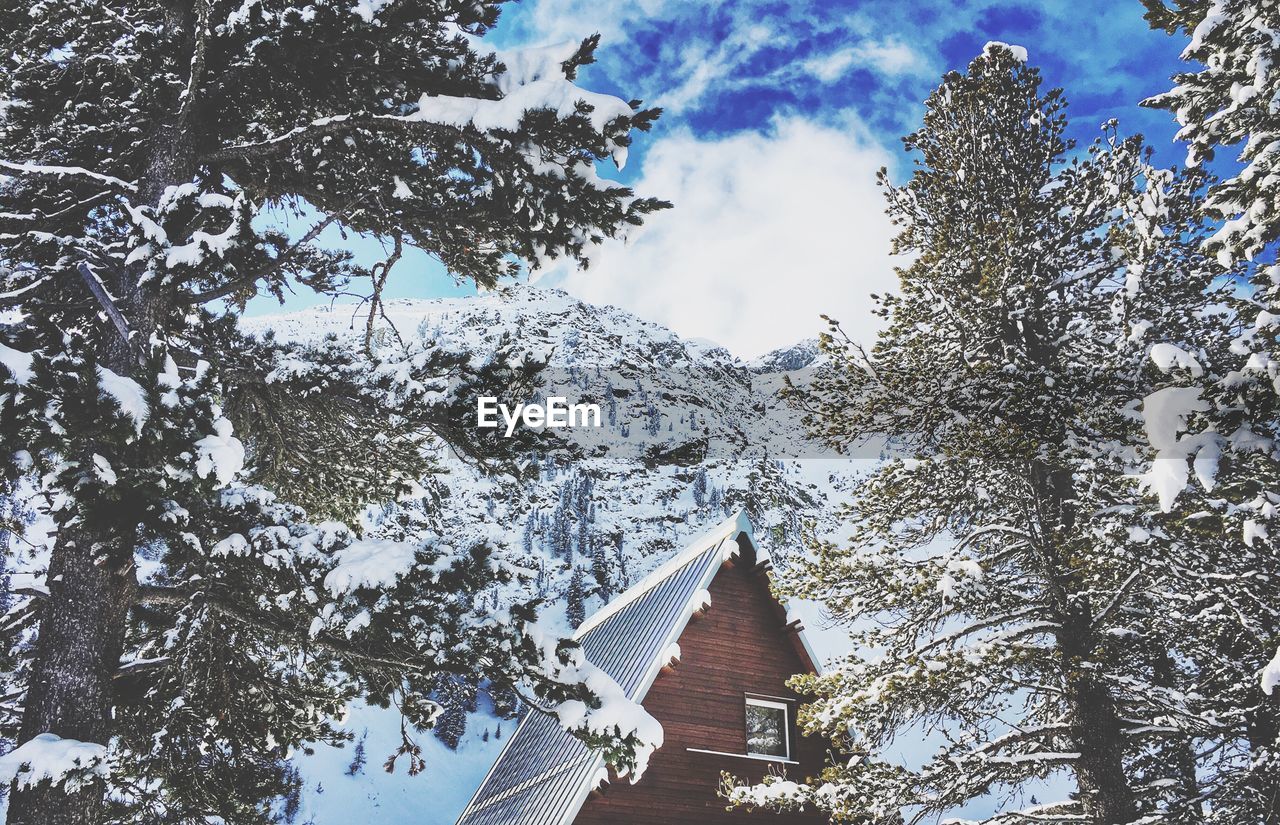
[544,775]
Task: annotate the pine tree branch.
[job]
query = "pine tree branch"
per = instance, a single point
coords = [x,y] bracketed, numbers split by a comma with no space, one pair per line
[150,594]
[67,171]
[15,297]
[987,530]
[379,277]
[38,215]
[956,635]
[1117,599]
[104,300]
[234,286]
[321,127]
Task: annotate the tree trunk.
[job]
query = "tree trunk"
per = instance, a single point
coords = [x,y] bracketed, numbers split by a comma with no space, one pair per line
[1096,732]
[77,653]
[1264,739]
[1095,725]
[92,580]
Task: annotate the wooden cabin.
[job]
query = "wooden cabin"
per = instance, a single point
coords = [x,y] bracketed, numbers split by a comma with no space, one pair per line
[704,647]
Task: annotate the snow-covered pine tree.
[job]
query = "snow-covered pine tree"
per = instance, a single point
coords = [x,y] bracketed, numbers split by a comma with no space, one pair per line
[457,698]
[1220,406]
[506,704]
[1004,583]
[150,150]
[1229,100]
[575,597]
[359,758]
[530,529]
[700,488]
[620,556]
[583,542]
[560,536]
[600,568]
[715,500]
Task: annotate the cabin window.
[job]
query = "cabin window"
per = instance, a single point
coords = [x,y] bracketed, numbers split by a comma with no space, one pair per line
[767,729]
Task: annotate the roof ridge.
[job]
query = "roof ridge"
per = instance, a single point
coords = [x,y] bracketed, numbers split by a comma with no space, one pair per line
[729,528]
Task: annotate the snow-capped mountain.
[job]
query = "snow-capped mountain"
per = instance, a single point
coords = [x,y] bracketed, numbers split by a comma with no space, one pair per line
[689,434]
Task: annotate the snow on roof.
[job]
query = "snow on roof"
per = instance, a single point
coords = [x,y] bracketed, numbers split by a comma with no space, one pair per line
[729,528]
[544,775]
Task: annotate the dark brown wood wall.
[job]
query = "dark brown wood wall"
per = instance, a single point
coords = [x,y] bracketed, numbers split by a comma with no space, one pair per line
[738,646]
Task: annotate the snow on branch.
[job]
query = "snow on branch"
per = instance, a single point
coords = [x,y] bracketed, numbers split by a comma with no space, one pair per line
[534,79]
[67,171]
[369,564]
[50,758]
[1271,675]
[612,722]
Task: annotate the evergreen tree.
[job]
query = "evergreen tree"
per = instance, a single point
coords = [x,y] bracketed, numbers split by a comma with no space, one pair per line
[600,569]
[293,798]
[575,597]
[526,540]
[506,703]
[456,697]
[1004,591]
[584,536]
[653,420]
[1229,101]
[620,556]
[151,150]
[716,500]
[700,487]
[1223,409]
[358,755]
[560,536]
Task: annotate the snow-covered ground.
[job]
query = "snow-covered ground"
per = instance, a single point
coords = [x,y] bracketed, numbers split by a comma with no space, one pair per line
[334,795]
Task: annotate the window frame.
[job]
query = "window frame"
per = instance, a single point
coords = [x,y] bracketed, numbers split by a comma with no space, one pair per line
[772,704]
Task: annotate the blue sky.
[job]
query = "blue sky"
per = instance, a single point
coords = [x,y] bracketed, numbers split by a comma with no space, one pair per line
[777,116]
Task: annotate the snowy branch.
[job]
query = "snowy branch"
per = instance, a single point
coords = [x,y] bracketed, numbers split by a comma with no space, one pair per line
[237,284]
[67,171]
[335,125]
[104,299]
[1117,599]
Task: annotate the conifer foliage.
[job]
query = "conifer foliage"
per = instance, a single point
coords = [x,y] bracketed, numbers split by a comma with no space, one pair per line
[1229,101]
[1228,406]
[149,151]
[1009,583]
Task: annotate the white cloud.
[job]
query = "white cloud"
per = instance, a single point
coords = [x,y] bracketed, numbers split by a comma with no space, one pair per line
[770,229]
[702,68]
[887,57]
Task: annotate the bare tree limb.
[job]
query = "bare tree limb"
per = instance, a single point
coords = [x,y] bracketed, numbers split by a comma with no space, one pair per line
[104,300]
[379,277]
[336,125]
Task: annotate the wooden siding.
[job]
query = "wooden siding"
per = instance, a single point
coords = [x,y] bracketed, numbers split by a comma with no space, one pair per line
[739,646]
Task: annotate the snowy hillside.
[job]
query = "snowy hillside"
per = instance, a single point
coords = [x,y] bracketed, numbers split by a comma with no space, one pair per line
[691,433]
